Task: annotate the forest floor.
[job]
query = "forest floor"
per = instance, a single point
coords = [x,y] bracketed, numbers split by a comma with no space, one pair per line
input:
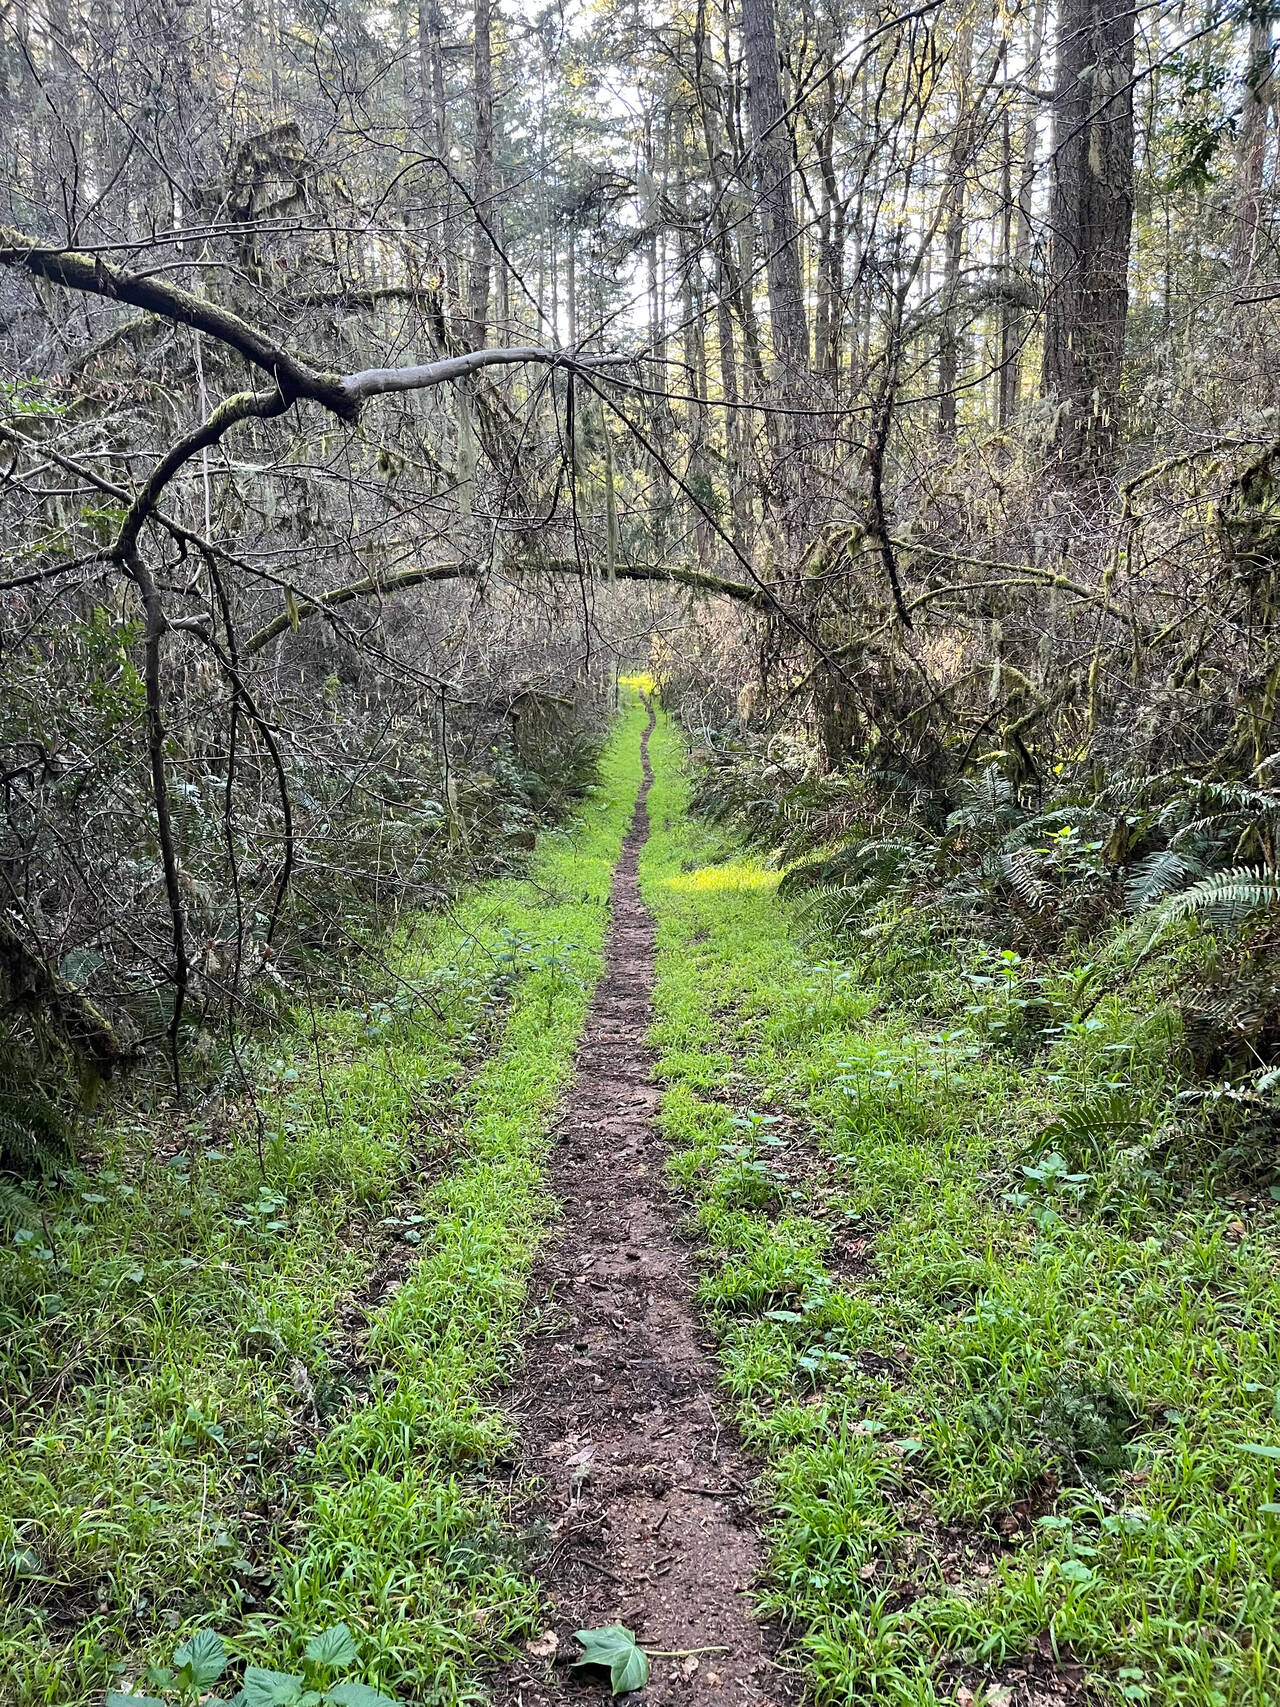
[638,1264]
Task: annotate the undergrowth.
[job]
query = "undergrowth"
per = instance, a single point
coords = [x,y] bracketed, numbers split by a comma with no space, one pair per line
[995,1284]
[246,1365]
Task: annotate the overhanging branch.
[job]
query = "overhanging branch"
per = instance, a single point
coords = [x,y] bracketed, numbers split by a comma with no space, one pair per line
[342,394]
[371,586]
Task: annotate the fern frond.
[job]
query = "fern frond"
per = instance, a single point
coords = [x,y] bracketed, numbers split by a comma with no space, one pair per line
[1153,877]
[1081,817]
[1226,898]
[16,1208]
[988,807]
[856,862]
[1090,1131]
[1020,870]
[832,910]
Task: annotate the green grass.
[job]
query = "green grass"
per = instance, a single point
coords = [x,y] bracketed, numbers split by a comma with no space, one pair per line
[1012,1371]
[208,1423]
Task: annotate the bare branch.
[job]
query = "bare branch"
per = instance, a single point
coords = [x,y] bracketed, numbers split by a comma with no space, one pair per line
[370,586]
[295,379]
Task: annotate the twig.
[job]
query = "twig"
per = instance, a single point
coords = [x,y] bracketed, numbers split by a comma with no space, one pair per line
[582,1559]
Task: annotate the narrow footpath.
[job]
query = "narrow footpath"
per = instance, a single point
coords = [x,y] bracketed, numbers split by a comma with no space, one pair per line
[643,1511]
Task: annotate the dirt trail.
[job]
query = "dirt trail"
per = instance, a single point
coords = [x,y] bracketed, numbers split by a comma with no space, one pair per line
[643,1506]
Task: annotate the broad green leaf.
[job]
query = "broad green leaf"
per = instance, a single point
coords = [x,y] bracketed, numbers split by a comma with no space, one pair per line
[1259,1451]
[630,1671]
[333,1647]
[601,1647]
[614,1648]
[263,1688]
[357,1695]
[22,1561]
[202,1657]
[115,1699]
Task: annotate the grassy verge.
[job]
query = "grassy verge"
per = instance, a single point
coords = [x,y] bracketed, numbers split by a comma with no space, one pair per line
[246,1374]
[1014,1373]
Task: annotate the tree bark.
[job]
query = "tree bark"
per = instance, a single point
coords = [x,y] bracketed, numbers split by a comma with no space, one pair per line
[430,19]
[1251,154]
[1007,354]
[30,984]
[771,150]
[1014,320]
[953,236]
[482,244]
[1090,220]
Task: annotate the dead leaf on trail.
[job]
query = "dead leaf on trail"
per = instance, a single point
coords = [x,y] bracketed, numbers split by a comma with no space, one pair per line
[579,1466]
[543,1647]
[999,1697]
[688,1665]
[964,1697]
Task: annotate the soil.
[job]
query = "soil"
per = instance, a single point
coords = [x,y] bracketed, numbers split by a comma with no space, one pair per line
[644,1514]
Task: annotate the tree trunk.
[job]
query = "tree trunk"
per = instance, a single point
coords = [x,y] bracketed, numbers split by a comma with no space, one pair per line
[732,419]
[953,234]
[1015,320]
[1090,224]
[482,245]
[1251,154]
[771,150]
[1007,356]
[826,330]
[571,284]
[728,295]
[433,70]
[694,384]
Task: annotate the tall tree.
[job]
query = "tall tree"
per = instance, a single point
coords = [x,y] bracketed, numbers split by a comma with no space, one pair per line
[953,231]
[774,172]
[482,242]
[1016,237]
[1259,95]
[1090,226]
